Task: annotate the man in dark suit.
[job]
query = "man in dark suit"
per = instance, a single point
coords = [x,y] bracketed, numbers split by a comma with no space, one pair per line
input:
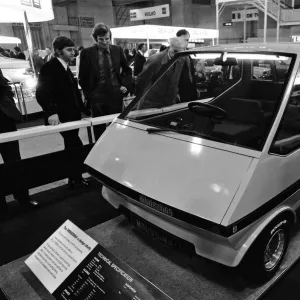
[99,75]
[139,59]
[187,83]
[57,93]
[163,92]
[48,55]
[10,152]
[19,54]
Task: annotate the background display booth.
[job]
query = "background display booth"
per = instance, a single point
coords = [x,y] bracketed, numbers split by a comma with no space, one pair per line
[155,34]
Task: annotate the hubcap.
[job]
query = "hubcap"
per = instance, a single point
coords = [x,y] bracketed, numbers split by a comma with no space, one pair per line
[274,249]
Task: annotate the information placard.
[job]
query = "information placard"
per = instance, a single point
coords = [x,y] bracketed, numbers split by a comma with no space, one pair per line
[71,265]
[87,22]
[60,254]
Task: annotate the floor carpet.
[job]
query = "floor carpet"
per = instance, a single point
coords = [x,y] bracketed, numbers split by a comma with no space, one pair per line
[23,231]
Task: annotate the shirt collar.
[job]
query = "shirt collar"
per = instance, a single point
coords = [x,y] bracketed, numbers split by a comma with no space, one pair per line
[102,49]
[141,52]
[64,64]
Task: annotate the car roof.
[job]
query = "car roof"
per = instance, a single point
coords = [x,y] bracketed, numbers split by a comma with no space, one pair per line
[269,47]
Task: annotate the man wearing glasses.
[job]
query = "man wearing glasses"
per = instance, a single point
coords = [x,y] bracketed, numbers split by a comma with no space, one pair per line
[57,93]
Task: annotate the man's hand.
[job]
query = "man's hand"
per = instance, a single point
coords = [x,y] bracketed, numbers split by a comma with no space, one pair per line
[53,120]
[123,89]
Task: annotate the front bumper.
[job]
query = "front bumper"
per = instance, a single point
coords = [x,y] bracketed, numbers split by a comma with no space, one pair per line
[206,244]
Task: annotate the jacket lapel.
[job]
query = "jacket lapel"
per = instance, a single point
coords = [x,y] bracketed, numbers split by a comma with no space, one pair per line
[114,55]
[95,59]
[61,71]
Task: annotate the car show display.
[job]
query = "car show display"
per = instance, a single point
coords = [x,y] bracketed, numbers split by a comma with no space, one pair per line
[217,175]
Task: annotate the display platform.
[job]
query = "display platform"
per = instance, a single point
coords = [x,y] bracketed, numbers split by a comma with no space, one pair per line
[175,273]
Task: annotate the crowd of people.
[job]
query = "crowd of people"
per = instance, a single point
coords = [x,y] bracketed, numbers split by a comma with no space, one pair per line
[104,78]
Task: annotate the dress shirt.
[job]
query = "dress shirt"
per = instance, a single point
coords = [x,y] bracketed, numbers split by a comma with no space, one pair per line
[64,64]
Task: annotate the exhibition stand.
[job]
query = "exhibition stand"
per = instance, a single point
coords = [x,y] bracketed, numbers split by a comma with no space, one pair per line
[9,40]
[156,32]
[178,275]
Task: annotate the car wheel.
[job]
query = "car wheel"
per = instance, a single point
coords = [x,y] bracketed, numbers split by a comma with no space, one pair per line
[266,254]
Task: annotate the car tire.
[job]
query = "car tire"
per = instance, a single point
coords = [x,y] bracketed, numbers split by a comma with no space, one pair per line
[263,259]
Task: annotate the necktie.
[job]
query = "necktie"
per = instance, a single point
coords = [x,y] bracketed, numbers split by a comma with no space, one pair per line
[107,72]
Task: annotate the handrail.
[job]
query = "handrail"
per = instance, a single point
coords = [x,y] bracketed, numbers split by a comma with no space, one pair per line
[50,129]
[102,120]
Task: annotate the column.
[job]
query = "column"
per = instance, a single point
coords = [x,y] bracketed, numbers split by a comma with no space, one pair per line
[177,11]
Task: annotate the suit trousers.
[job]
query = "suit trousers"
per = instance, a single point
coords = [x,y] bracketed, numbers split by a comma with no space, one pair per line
[10,152]
[72,140]
[104,104]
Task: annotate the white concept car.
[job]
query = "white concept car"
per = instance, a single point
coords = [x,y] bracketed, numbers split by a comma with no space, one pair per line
[218,174]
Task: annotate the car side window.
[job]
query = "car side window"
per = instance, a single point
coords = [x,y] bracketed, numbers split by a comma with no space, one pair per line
[270,70]
[287,138]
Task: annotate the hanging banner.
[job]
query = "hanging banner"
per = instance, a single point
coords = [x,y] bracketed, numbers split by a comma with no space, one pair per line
[153,12]
[296,38]
[240,15]
[37,10]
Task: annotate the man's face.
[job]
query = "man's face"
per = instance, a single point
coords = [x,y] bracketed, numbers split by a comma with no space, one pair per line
[144,49]
[48,51]
[103,41]
[67,54]
[186,39]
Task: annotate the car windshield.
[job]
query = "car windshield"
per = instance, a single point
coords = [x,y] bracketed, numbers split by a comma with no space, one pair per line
[227,97]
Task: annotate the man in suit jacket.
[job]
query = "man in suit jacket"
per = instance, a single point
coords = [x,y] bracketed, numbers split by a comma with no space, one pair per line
[165,90]
[38,62]
[19,54]
[9,115]
[57,93]
[187,84]
[139,59]
[48,55]
[99,75]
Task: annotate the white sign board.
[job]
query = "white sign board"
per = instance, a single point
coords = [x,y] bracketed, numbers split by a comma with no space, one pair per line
[60,254]
[153,12]
[296,38]
[37,10]
[248,15]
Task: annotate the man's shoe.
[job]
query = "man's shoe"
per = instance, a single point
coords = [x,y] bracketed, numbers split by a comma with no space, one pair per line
[73,183]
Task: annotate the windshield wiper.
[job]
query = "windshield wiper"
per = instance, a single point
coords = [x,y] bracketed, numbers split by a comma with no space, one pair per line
[188,132]
[184,131]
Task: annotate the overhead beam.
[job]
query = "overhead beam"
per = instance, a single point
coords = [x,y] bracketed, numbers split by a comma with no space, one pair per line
[62,2]
[127,2]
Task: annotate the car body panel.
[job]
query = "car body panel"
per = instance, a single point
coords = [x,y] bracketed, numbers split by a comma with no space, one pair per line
[202,190]
[281,173]
[227,251]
